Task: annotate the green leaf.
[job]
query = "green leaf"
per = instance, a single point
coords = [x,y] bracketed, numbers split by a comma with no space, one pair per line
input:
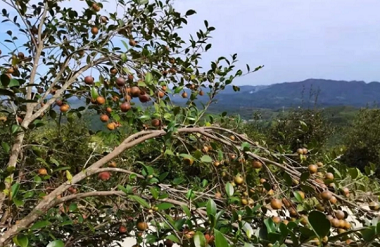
[56,243]
[6,147]
[220,240]
[54,161]
[14,190]
[148,78]
[6,92]
[21,241]
[305,176]
[4,79]
[173,238]
[164,206]
[206,159]
[15,128]
[229,189]
[298,196]
[40,224]
[199,239]
[211,207]
[369,234]
[247,228]
[320,224]
[190,12]
[186,210]
[125,44]
[14,83]
[354,172]
[139,200]
[270,225]
[245,146]
[94,93]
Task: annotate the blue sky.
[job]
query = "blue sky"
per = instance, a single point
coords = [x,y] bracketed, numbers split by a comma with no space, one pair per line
[294,39]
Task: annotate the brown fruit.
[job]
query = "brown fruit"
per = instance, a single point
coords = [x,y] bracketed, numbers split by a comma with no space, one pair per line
[218,195]
[333,200]
[209,238]
[188,161]
[304,220]
[104,176]
[104,118]
[104,19]
[89,80]
[127,97]
[135,91]
[184,95]
[40,90]
[201,93]
[120,81]
[100,100]
[156,122]
[216,163]
[72,190]
[276,204]
[205,149]
[122,229]
[335,223]
[111,126]
[300,151]
[319,164]
[345,191]
[304,151]
[64,108]
[286,202]
[95,7]
[293,212]
[94,30]
[347,225]
[257,164]
[276,219]
[313,169]
[329,176]
[144,98]
[109,109]
[160,94]
[132,42]
[130,77]
[329,217]
[232,138]
[112,164]
[10,70]
[238,179]
[163,88]
[142,226]
[244,201]
[339,214]
[262,180]
[21,55]
[19,120]
[42,171]
[113,71]
[59,102]
[124,107]
[326,195]
[169,243]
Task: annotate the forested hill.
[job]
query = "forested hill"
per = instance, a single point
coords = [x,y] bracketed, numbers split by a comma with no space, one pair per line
[292,94]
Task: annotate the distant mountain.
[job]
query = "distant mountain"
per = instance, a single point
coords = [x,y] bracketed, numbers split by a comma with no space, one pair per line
[290,94]
[304,93]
